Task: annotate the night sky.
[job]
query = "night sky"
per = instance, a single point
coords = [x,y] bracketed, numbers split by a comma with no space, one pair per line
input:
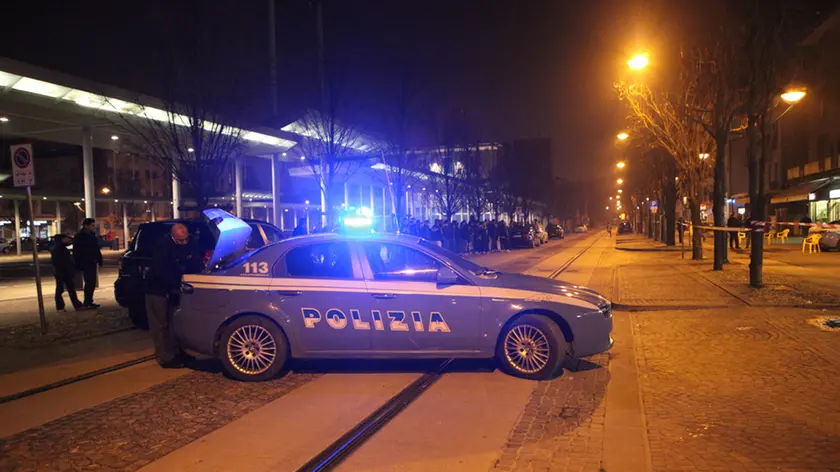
[514,69]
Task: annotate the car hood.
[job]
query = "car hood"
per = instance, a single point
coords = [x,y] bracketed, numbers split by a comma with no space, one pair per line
[231,235]
[545,289]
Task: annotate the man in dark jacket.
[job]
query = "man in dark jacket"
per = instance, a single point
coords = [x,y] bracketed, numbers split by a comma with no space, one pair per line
[733,222]
[163,286]
[300,229]
[62,262]
[502,233]
[493,235]
[437,233]
[87,257]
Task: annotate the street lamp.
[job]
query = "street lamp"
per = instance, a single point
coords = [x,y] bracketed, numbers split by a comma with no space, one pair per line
[620,164]
[3,119]
[793,96]
[106,190]
[704,156]
[619,181]
[620,191]
[622,136]
[638,62]
[114,137]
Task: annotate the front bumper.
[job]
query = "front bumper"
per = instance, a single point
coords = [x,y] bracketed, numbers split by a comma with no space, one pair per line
[592,334]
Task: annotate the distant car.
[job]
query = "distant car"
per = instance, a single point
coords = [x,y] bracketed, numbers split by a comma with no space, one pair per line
[555,231]
[377,296]
[26,245]
[830,239]
[625,228]
[581,229]
[4,246]
[524,235]
[134,264]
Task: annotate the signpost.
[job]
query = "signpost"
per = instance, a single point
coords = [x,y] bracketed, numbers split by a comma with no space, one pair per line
[23,174]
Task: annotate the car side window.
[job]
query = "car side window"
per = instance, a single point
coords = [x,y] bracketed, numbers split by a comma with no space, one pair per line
[320,261]
[272,234]
[396,262]
[255,241]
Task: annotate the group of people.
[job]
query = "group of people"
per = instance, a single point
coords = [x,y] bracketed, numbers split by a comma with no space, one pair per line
[86,258]
[475,236]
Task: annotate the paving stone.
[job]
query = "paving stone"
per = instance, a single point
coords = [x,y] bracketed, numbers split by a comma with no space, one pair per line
[131,431]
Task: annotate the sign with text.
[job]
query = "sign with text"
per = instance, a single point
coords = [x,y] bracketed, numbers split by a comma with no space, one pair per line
[23,167]
[654,206]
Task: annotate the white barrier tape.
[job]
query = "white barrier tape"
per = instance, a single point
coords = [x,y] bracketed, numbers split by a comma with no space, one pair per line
[830,229]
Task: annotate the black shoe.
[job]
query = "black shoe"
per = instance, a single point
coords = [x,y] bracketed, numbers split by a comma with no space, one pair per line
[91,306]
[82,308]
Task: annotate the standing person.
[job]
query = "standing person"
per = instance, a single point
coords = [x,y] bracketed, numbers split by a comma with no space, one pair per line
[681,228]
[733,222]
[300,229]
[414,227]
[609,228]
[65,271]
[483,237]
[163,285]
[502,233]
[425,230]
[494,236]
[446,235]
[437,233]
[464,233]
[87,257]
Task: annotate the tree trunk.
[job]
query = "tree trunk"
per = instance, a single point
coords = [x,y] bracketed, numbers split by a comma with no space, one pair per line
[757,209]
[697,236]
[719,198]
[669,208]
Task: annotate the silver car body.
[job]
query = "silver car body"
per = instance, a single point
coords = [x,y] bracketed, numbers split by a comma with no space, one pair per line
[362,316]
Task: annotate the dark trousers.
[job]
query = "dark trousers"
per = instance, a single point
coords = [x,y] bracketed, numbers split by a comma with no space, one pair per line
[62,284]
[494,243]
[733,240]
[89,274]
[159,311]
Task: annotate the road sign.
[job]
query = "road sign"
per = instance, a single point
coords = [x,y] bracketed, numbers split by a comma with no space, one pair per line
[23,167]
[654,206]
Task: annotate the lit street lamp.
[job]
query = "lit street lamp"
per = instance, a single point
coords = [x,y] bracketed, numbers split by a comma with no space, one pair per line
[638,62]
[106,190]
[704,156]
[622,136]
[620,191]
[620,164]
[793,96]
[619,181]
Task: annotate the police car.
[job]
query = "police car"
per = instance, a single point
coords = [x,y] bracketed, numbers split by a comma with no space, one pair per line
[377,296]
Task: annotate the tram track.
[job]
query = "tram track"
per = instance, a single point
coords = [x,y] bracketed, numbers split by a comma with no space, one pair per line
[343,447]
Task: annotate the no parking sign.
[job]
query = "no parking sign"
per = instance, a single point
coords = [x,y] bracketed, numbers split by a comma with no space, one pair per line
[23,168]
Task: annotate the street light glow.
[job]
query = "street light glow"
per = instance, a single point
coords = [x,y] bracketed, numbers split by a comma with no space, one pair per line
[793,96]
[619,181]
[638,62]
[622,136]
[3,119]
[704,156]
[106,190]
[190,150]
[620,164]
[610,198]
[620,191]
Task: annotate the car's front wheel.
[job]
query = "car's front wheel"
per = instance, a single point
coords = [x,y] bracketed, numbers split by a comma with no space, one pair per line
[253,349]
[532,347]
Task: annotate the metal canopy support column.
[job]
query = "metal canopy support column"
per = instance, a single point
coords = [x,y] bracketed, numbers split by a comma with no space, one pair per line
[384,212]
[57,217]
[275,202]
[282,221]
[125,224]
[17,225]
[87,173]
[237,177]
[346,195]
[176,198]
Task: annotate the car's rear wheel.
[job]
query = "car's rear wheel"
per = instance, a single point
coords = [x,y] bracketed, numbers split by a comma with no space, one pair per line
[532,347]
[253,349]
[137,314]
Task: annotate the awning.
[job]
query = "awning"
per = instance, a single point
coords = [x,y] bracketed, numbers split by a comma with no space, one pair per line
[799,193]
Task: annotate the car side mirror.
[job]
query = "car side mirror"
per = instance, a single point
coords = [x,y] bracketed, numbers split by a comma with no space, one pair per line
[447,276]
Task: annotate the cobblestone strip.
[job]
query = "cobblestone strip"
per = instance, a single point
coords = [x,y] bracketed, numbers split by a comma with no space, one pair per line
[727,390]
[132,431]
[562,425]
[65,328]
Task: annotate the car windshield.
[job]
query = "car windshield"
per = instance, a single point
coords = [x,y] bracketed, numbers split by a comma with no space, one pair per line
[458,260]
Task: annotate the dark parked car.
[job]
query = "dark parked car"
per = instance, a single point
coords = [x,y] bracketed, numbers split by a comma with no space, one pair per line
[625,228]
[26,245]
[555,231]
[134,264]
[524,235]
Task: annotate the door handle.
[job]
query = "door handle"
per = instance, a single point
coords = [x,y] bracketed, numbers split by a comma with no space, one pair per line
[186,288]
[288,293]
[383,296]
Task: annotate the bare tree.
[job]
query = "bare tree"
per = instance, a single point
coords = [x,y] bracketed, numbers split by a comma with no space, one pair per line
[448,182]
[665,116]
[333,151]
[475,187]
[400,160]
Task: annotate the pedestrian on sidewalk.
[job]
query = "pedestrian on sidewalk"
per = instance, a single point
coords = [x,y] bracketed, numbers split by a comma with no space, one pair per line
[65,271]
[609,228]
[734,222]
[88,258]
[163,288]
